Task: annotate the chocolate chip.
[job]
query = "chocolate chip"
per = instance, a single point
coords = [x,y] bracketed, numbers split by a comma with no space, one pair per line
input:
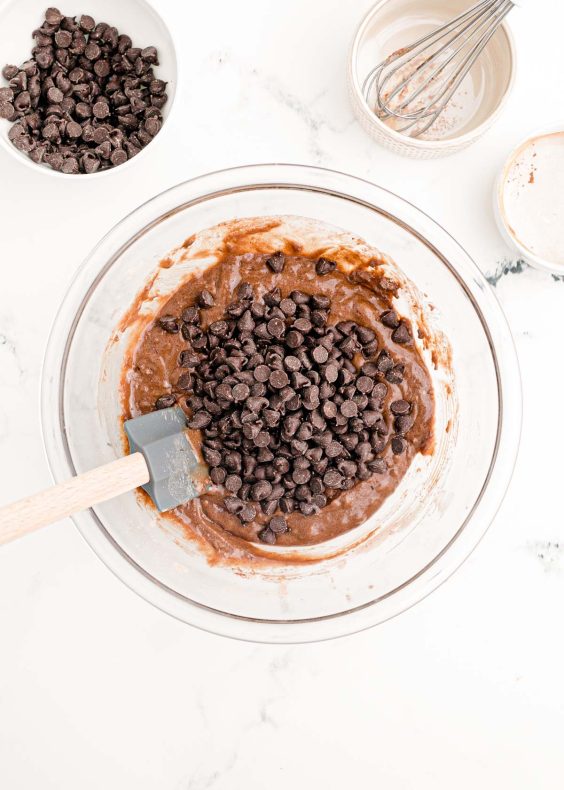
[244,290]
[191,315]
[365,335]
[261,373]
[55,96]
[390,319]
[266,535]
[269,507]
[402,334]
[278,525]
[184,382]
[53,16]
[332,479]
[292,363]
[246,323]
[287,504]
[299,380]
[165,401]
[219,328]
[378,466]
[400,407]
[118,157]
[271,418]
[6,110]
[233,483]
[399,445]
[248,513]
[233,504]
[395,375]
[262,439]
[169,324]
[334,449]
[288,307]
[157,86]
[303,325]
[404,423]
[320,354]
[86,23]
[241,392]
[63,39]
[100,110]
[321,302]
[347,468]
[278,379]
[276,327]
[301,476]
[187,359]
[369,369]
[299,297]
[331,373]
[325,266]
[201,419]
[349,408]
[212,458]
[261,490]
[294,339]
[329,410]
[206,299]
[73,129]
[370,418]
[384,362]
[365,384]
[318,318]
[272,297]
[276,262]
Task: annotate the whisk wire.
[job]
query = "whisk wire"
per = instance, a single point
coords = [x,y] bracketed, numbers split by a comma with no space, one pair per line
[433,37]
[435,107]
[385,106]
[463,71]
[469,34]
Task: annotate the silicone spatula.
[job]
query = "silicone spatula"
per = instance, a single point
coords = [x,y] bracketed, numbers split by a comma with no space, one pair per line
[161,460]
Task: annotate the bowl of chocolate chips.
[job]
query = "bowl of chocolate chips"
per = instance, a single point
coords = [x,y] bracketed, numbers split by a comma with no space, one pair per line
[83,93]
[347,377]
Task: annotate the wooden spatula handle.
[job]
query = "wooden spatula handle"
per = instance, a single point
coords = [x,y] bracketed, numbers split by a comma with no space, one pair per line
[74,495]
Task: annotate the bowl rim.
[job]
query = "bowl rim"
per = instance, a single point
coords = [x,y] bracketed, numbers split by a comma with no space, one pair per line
[414,142]
[22,158]
[477,290]
[544,264]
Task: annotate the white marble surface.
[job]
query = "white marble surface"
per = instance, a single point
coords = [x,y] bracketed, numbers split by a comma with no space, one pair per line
[466,690]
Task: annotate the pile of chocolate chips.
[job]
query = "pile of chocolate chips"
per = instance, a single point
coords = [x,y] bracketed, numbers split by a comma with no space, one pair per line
[86,100]
[288,419]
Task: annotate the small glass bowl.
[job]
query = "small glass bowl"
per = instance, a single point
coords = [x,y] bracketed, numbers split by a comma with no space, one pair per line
[420,536]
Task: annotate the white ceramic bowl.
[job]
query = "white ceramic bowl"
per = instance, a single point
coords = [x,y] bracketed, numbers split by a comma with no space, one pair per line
[531,227]
[137,18]
[422,533]
[392,24]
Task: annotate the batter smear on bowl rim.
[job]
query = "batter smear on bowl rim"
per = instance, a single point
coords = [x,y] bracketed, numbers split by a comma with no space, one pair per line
[304,390]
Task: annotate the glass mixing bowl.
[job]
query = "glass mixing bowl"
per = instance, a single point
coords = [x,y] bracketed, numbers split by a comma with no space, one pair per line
[422,533]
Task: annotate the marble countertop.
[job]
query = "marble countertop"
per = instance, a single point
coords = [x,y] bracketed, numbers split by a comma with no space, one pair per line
[99,689]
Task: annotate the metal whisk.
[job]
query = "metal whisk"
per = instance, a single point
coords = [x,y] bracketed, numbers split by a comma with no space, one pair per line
[416,83]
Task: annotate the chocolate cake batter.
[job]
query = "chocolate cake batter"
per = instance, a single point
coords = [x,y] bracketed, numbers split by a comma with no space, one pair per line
[362,296]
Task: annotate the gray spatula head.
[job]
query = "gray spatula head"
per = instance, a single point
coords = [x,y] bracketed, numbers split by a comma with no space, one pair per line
[176,471]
